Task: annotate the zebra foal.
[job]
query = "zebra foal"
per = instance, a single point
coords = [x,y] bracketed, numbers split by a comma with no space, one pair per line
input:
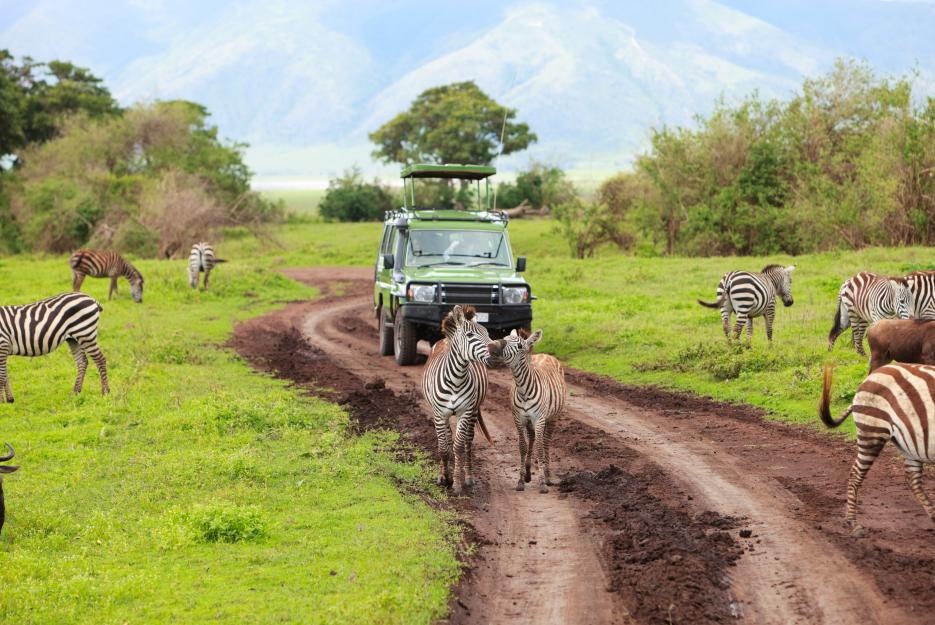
[38,329]
[103,264]
[865,299]
[896,403]
[749,295]
[539,394]
[201,259]
[454,384]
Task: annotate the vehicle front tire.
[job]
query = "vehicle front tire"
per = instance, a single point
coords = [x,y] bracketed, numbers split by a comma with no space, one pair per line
[404,341]
[386,333]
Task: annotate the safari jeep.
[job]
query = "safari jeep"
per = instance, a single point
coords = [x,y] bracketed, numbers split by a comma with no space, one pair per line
[432,259]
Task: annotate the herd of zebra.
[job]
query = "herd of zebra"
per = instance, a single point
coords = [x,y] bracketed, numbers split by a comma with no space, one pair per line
[41,327]
[896,402]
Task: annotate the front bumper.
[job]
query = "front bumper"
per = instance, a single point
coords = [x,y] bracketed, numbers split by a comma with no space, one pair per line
[505,317]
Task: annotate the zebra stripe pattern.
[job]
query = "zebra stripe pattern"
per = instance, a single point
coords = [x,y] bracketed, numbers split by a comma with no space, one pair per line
[103,264]
[750,295]
[39,328]
[538,399]
[863,300]
[5,469]
[922,287]
[201,259]
[896,403]
[454,384]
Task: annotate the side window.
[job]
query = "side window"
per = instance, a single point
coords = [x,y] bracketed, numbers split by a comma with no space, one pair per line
[385,244]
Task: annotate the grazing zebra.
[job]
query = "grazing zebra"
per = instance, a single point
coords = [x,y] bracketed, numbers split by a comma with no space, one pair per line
[538,399]
[101,264]
[895,403]
[201,259]
[922,286]
[39,328]
[454,383]
[752,295]
[5,469]
[863,300]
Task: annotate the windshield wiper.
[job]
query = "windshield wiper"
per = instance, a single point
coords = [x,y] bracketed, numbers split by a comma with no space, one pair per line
[446,262]
[488,263]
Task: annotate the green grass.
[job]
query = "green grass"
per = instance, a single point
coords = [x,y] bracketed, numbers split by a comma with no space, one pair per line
[636,319]
[200,491]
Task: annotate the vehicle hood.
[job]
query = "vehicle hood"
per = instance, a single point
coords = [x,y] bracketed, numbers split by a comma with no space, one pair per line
[483,275]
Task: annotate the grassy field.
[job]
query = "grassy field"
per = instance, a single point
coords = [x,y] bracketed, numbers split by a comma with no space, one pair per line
[636,319]
[200,491]
[298,202]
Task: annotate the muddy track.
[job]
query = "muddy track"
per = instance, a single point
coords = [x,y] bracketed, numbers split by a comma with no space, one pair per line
[672,508]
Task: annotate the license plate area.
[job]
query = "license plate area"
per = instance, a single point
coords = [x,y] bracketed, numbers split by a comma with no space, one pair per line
[482,317]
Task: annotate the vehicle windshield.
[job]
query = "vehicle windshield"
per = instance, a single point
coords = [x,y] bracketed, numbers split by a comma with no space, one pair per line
[471,248]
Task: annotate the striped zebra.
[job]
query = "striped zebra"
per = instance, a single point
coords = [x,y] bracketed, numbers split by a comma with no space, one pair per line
[750,295]
[538,399]
[39,328]
[895,402]
[103,264]
[454,383]
[5,468]
[863,300]
[202,258]
[922,287]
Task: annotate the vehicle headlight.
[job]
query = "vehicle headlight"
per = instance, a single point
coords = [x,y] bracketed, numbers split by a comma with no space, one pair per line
[421,292]
[515,294]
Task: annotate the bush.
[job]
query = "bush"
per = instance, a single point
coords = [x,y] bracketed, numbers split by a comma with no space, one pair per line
[542,186]
[350,198]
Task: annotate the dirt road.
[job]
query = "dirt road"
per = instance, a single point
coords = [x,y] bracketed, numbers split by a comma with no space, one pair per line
[672,508]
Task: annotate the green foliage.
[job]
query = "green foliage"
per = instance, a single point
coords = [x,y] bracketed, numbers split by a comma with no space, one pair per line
[199,490]
[350,198]
[540,186]
[456,123]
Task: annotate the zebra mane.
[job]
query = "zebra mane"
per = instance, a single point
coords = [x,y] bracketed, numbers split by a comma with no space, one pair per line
[768,268]
[523,333]
[448,327]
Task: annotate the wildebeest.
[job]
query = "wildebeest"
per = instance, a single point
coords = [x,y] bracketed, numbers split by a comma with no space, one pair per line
[902,340]
[5,469]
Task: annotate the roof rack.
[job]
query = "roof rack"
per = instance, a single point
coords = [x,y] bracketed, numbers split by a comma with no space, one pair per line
[404,215]
[462,172]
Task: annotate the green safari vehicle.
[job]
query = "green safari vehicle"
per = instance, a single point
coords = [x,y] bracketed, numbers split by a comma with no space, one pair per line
[431,259]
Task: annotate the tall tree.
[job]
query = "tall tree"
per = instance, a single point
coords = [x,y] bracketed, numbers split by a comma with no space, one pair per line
[456,123]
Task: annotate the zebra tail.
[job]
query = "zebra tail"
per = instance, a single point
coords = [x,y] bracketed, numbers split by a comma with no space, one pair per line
[716,304]
[220,260]
[838,326]
[824,405]
[75,260]
[483,427]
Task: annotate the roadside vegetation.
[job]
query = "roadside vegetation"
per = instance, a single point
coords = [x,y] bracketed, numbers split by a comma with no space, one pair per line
[200,491]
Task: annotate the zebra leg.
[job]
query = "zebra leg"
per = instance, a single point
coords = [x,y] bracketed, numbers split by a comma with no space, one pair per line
[77,279]
[207,273]
[91,348]
[193,279]
[443,433]
[857,334]
[113,287]
[769,315]
[81,361]
[468,446]
[530,446]
[739,323]
[5,380]
[867,451]
[523,452]
[542,454]
[461,436]
[725,321]
[914,474]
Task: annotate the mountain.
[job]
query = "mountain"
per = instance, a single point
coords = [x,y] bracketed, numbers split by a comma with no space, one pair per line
[304,83]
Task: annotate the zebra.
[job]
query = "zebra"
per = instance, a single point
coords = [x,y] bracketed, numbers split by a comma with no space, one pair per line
[201,259]
[866,298]
[752,295]
[895,402]
[538,399]
[103,264]
[5,468]
[454,384]
[922,287]
[39,328]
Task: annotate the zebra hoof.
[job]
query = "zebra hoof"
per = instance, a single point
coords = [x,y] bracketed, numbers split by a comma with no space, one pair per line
[520,485]
[543,488]
[527,476]
[441,480]
[858,531]
[456,491]
[469,481]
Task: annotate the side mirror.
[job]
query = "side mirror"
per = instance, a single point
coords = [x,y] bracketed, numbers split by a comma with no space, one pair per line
[520,263]
[388,261]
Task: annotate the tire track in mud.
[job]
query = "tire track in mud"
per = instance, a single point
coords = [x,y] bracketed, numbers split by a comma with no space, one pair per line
[653,483]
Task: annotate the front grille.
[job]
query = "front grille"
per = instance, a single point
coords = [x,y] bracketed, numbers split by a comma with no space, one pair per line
[470,294]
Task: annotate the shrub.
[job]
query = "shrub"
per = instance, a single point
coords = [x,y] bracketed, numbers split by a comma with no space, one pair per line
[350,198]
[542,186]
[227,524]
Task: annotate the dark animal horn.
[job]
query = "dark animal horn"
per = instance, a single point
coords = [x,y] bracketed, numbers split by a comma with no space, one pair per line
[12,453]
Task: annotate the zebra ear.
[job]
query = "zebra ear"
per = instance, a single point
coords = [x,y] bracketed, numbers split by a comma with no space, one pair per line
[457,315]
[513,333]
[534,338]
[790,268]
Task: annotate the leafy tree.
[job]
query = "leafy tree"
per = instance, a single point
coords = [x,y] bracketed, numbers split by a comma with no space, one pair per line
[12,104]
[350,198]
[542,186]
[456,123]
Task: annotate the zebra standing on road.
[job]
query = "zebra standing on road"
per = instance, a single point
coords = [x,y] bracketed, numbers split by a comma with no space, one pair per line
[895,403]
[102,264]
[922,287]
[750,295]
[538,399]
[863,300]
[38,329]
[202,258]
[454,384]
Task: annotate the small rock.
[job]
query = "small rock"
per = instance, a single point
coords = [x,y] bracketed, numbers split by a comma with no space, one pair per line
[746,533]
[332,572]
[532,542]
